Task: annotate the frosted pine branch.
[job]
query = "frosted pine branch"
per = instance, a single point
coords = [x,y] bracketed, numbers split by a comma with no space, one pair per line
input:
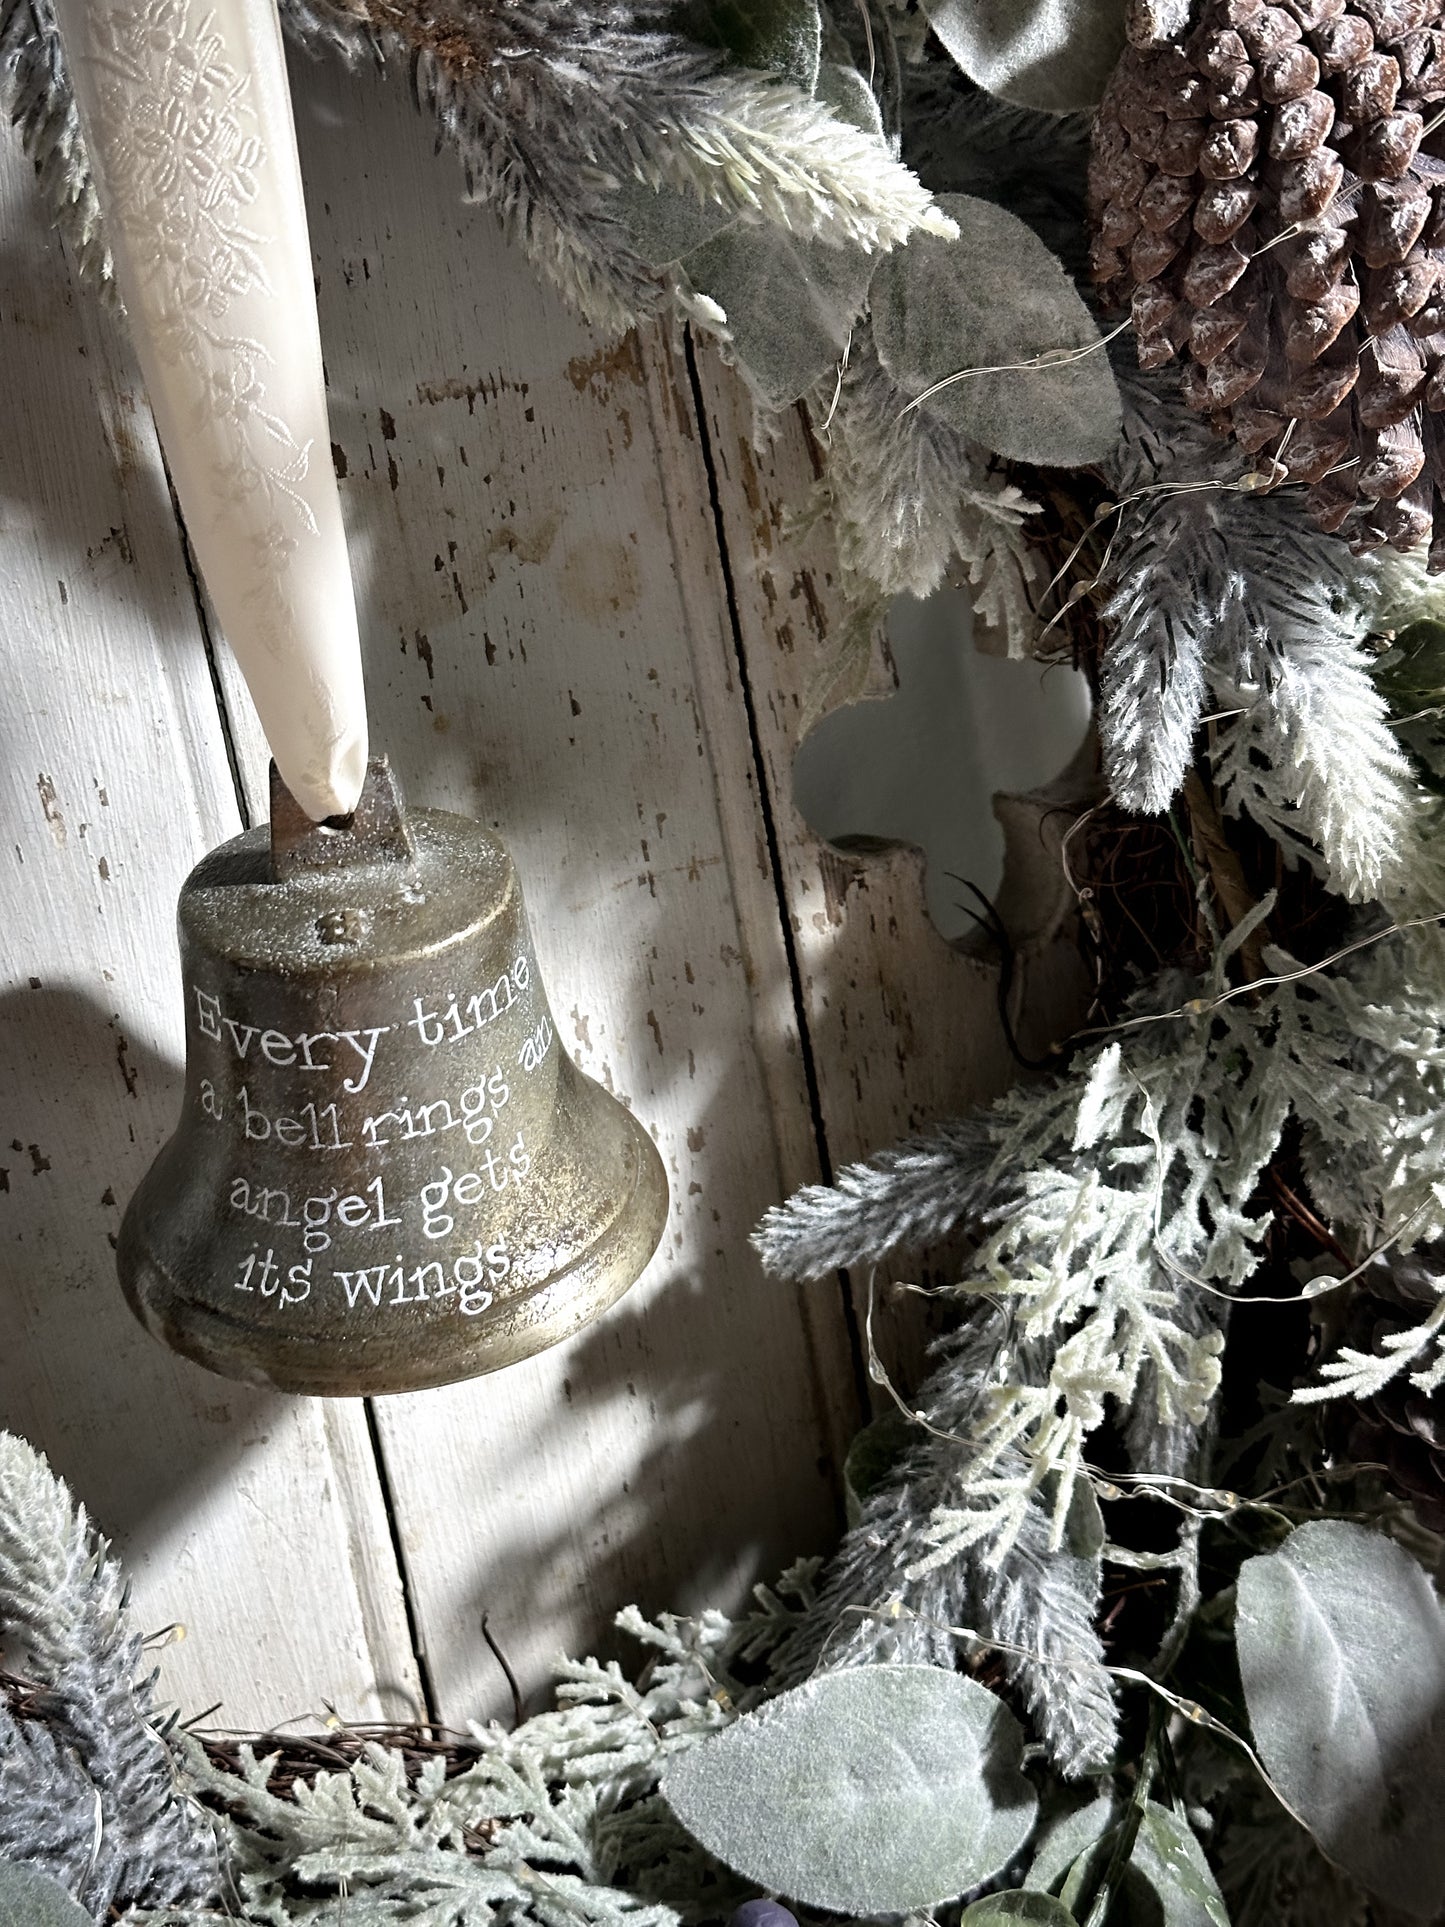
[889,1596]
[62,1600]
[551,105]
[910,497]
[1228,595]
[910,1197]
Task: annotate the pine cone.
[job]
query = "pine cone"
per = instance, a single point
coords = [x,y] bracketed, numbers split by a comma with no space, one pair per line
[1400,1428]
[1267,190]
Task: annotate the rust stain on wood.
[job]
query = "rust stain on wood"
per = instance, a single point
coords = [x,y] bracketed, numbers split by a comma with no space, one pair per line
[599,577]
[598,371]
[531,543]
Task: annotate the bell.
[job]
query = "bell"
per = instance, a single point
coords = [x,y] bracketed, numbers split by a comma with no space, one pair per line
[388,1174]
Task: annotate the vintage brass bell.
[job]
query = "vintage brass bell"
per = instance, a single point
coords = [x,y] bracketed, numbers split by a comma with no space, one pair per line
[388,1174]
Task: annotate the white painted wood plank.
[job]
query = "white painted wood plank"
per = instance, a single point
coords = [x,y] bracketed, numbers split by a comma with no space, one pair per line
[531,662]
[903,1027]
[255,1521]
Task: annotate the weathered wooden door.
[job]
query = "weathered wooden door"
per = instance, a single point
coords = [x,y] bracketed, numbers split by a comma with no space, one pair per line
[585,624]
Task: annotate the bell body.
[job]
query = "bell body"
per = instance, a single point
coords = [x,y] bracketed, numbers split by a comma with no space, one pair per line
[388,1174]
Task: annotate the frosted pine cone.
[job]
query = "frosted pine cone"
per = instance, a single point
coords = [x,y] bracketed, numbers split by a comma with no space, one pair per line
[1267,189]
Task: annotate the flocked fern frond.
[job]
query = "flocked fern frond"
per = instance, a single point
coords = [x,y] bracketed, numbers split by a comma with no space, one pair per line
[1114,1206]
[557,1822]
[911,497]
[1313,760]
[891,1593]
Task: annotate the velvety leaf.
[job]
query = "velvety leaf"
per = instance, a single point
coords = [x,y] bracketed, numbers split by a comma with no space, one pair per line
[1051,54]
[1006,1910]
[876,1790]
[1084,1533]
[29,1898]
[664,223]
[1341,1644]
[782,37]
[993,298]
[790,304]
[841,87]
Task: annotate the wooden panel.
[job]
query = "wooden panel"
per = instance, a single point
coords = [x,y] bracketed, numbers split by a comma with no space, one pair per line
[255,1521]
[556,644]
[903,1028]
[531,662]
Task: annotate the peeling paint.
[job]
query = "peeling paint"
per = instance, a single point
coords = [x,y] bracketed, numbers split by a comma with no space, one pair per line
[49,803]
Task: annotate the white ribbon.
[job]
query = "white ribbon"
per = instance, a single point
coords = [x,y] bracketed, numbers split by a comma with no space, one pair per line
[186,114]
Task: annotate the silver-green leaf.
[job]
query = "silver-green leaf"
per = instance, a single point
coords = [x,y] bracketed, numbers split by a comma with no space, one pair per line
[1341,1645]
[877,1790]
[790,304]
[782,37]
[1172,1860]
[991,299]
[841,87]
[1011,1909]
[664,223]
[1056,55]
[29,1898]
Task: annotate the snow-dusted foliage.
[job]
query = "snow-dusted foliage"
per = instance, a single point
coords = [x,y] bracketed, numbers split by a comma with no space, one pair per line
[1115,1206]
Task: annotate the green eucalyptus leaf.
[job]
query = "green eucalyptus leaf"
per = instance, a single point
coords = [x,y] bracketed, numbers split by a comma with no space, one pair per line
[1056,55]
[1068,1839]
[1411,677]
[29,1898]
[1167,1880]
[993,298]
[664,223]
[1172,1861]
[877,1790]
[841,87]
[1341,1643]
[1412,671]
[782,37]
[875,1451]
[790,304]
[1006,1910]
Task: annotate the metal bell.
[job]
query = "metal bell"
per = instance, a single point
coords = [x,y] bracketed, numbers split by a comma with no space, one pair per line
[388,1174]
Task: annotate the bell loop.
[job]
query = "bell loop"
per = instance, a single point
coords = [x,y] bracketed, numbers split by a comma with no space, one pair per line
[375,832]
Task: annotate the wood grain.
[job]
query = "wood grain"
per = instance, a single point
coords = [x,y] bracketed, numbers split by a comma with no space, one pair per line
[902,1028]
[586,624]
[532,661]
[256,1522]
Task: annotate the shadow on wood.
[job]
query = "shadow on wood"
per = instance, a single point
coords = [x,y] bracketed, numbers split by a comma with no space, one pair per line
[103,1404]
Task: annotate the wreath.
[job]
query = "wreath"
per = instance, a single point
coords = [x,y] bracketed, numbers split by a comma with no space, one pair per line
[1133,317]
